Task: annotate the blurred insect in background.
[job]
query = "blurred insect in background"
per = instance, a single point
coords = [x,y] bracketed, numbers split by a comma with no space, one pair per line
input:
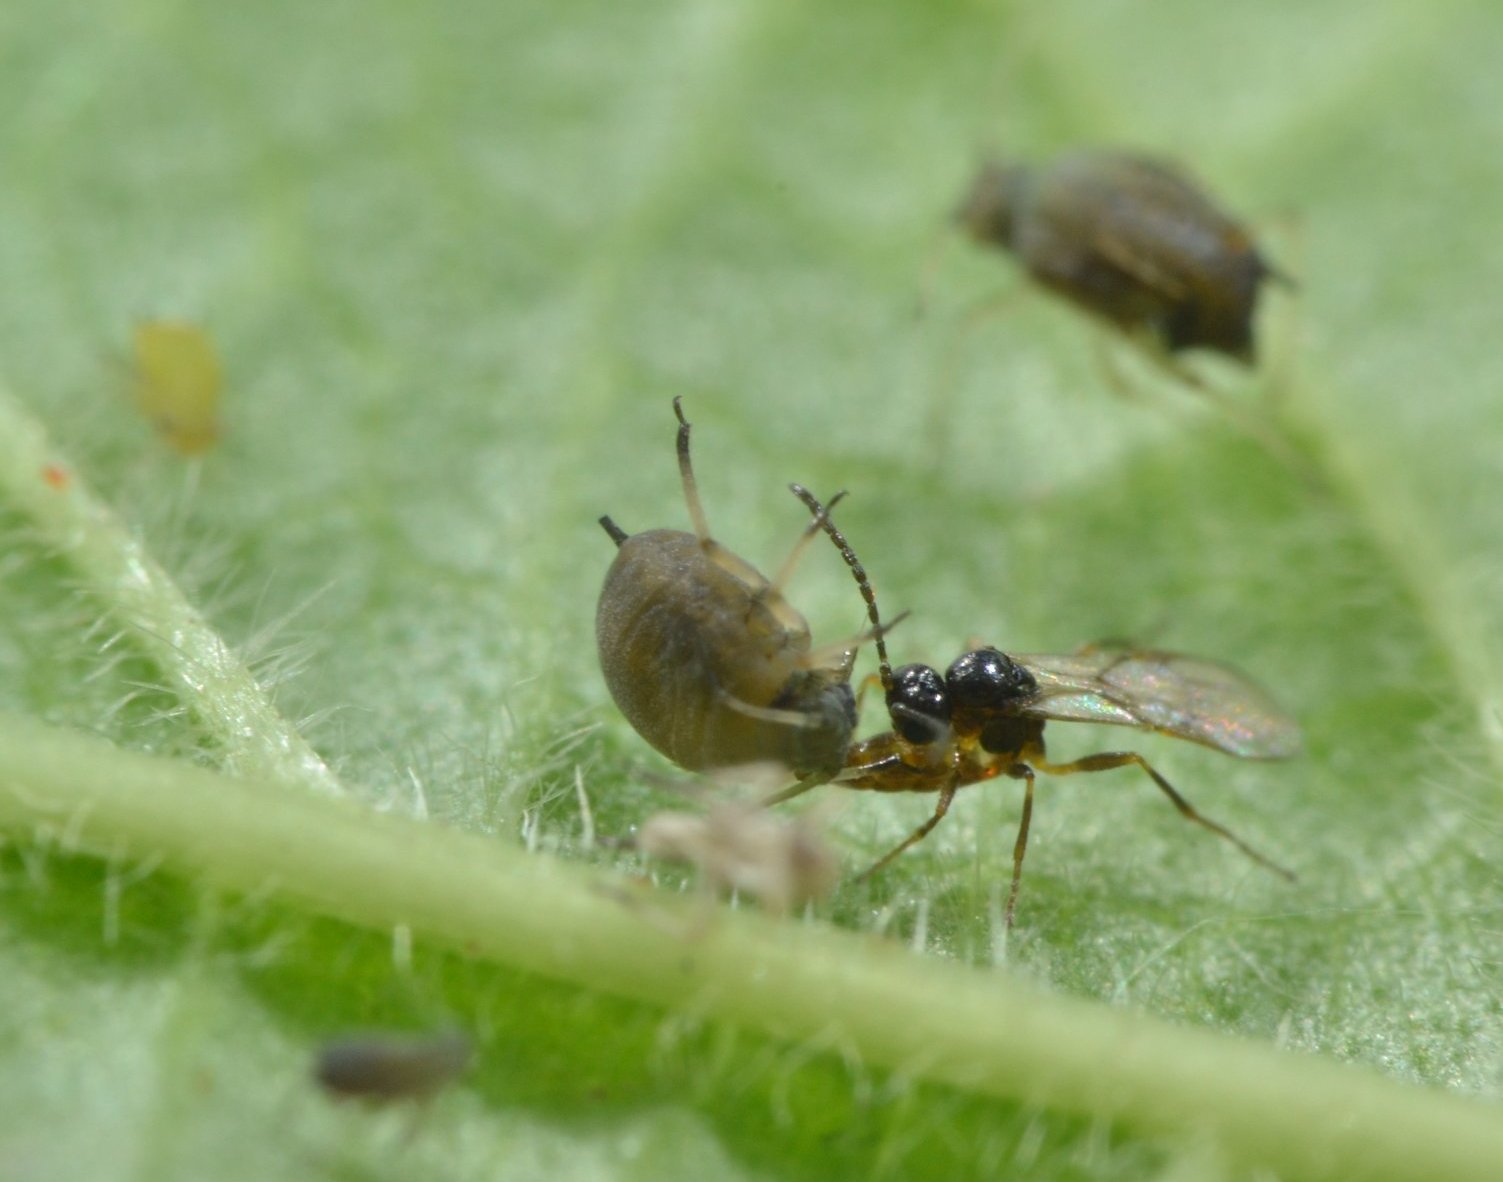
[707,659]
[381,1068]
[781,862]
[984,718]
[177,381]
[1131,240]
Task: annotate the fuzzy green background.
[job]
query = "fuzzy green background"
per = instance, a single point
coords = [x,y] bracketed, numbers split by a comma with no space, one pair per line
[459,257]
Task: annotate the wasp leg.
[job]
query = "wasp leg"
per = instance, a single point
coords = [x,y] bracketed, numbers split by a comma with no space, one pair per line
[941,807]
[793,790]
[1106,760]
[1020,771]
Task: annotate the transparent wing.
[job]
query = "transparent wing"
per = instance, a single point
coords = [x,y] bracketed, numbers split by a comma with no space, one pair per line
[1187,697]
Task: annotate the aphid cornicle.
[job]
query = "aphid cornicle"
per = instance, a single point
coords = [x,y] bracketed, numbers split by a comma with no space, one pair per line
[1130,239]
[708,661]
[984,718]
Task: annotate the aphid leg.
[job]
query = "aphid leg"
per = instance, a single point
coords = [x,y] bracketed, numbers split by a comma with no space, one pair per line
[1262,432]
[1106,760]
[766,713]
[686,471]
[941,415]
[941,807]
[785,572]
[1118,382]
[871,679]
[929,270]
[1243,418]
[821,657]
[1282,318]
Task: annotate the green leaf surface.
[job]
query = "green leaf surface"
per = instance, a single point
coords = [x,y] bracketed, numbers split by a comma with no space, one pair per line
[458,259]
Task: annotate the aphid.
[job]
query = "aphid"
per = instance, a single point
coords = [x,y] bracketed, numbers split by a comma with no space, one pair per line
[781,863]
[1130,239]
[708,661]
[177,382]
[380,1068]
[984,717]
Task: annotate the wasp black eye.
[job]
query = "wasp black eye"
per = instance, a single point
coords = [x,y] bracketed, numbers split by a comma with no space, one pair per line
[918,704]
[987,680]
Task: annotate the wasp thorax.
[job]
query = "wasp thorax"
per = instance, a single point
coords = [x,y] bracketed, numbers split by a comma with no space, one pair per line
[987,679]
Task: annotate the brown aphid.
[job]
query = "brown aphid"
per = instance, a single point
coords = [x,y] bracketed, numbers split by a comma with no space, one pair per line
[1130,239]
[383,1068]
[781,863]
[708,661]
[984,718]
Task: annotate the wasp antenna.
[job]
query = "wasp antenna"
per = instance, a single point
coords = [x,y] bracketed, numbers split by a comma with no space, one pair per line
[822,519]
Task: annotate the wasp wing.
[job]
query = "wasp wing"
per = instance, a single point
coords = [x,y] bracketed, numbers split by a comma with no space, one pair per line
[1187,697]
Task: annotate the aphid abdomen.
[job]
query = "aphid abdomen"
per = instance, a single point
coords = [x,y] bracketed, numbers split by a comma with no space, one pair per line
[1220,313]
[1092,283]
[696,647]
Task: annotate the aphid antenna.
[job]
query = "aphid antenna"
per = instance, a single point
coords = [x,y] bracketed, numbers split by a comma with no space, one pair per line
[785,572]
[686,471]
[819,657]
[822,519]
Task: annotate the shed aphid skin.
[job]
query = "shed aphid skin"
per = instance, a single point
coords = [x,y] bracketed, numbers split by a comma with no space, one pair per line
[382,1068]
[177,383]
[984,718]
[1131,240]
[782,863]
[708,661]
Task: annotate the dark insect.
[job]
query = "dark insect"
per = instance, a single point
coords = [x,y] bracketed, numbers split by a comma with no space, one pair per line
[380,1068]
[984,717]
[1131,240]
[708,661]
